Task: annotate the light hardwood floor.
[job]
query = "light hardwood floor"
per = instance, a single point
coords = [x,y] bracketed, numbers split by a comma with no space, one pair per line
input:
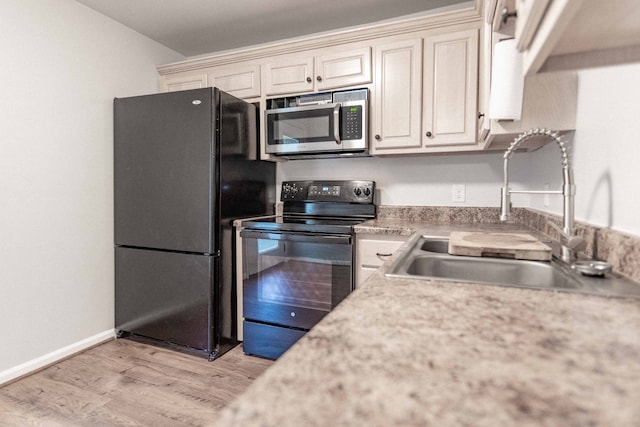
[123,382]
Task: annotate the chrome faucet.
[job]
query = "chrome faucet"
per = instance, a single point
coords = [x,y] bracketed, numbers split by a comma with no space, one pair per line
[569,241]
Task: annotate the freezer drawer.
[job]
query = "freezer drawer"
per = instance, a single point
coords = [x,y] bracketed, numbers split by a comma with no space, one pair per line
[165,296]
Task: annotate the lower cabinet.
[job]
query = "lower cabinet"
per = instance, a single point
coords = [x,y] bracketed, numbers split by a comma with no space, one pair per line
[372,251]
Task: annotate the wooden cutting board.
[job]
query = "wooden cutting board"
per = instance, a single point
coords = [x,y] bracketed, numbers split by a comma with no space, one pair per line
[504,245]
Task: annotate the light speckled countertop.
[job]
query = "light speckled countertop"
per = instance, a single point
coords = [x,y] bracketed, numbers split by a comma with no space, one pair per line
[401,352]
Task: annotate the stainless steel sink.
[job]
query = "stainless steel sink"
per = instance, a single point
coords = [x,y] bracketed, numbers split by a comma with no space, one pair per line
[437,245]
[428,258]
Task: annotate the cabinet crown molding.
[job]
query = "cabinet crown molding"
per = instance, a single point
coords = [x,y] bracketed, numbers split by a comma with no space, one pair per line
[324,40]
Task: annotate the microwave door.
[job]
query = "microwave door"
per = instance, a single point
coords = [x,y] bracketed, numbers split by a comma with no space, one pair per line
[304,129]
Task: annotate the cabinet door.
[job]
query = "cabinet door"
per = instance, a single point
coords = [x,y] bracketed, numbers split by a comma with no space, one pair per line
[343,69]
[372,253]
[397,97]
[242,81]
[173,83]
[450,88]
[289,74]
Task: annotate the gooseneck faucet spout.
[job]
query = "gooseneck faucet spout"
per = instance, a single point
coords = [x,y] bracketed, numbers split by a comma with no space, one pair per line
[570,242]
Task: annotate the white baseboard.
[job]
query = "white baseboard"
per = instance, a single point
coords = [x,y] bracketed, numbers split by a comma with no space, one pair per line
[53,357]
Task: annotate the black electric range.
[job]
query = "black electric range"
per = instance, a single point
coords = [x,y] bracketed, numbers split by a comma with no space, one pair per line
[298,266]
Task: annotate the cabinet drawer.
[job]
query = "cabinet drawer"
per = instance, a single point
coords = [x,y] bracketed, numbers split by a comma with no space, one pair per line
[373,253]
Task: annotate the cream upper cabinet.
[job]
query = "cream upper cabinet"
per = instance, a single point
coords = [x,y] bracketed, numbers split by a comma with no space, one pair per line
[559,35]
[175,82]
[289,74]
[242,81]
[299,73]
[340,69]
[450,89]
[397,98]
[425,94]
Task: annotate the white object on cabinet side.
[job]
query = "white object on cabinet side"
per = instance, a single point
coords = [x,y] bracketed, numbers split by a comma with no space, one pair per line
[549,99]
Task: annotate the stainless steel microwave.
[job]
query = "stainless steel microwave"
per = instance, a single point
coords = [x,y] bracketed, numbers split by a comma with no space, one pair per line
[330,124]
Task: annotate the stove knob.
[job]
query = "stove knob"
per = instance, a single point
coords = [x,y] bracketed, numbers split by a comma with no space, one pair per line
[367,191]
[357,191]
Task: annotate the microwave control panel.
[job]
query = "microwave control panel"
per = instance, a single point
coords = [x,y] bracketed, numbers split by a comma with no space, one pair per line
[351,122]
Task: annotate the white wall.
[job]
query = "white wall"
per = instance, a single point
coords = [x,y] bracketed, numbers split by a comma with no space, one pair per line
[416,180]
[62,64]
[605,150]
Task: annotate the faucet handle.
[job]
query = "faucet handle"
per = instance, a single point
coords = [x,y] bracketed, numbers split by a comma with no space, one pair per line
[575,243]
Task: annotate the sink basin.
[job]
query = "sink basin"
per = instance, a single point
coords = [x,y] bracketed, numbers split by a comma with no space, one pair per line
[428,258]
[489,270]
[440,246]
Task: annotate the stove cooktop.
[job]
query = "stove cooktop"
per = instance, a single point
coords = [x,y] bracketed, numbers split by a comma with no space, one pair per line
[321,207]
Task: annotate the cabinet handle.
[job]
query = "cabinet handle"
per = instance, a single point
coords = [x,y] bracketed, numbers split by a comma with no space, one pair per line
[319,78]
[429,134]
[480,115]
[378,137]
[379,254]
[506,15]
[308,79]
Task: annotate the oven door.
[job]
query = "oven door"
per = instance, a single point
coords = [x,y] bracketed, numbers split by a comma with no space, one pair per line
[294,279]
[306,129]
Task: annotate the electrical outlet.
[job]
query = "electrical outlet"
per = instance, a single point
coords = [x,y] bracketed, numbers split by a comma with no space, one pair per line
[458,193]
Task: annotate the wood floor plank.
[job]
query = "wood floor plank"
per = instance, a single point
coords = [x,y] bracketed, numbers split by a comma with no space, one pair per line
[19,414]
[128,383]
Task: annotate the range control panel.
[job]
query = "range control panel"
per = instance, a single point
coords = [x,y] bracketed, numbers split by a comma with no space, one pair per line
[328,191]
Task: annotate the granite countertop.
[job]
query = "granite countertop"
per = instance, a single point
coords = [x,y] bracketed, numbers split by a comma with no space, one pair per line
[401,352]
[407,227]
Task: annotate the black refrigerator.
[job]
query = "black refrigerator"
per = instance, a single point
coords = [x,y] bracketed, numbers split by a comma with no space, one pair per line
[185,165]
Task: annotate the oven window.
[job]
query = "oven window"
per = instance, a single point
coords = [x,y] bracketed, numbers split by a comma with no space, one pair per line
[297,282]
[283,279]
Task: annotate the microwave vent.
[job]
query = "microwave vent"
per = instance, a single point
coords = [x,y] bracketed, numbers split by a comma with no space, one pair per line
[315,99]
[350,95]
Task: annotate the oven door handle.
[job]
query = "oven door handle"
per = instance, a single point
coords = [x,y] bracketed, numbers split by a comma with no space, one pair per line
[340,239]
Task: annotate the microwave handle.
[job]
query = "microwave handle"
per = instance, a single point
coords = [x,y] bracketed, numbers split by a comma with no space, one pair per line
[336,123]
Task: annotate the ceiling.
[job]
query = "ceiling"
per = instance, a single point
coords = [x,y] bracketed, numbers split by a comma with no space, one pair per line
[195,27]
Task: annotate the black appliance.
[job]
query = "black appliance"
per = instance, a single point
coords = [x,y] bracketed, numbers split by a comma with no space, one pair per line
[299,266]
[185,166]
